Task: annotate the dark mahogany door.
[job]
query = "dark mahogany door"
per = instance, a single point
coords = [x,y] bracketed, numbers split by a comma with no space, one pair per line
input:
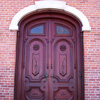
[49,60]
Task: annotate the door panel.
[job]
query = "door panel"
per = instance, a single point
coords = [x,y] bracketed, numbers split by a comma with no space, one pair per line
[35,55]
[35,72]
[62,75]
[62,60]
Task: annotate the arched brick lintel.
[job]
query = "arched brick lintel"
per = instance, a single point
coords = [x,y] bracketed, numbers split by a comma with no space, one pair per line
[53,5]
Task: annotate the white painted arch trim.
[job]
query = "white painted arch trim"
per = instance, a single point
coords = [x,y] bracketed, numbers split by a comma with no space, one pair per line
[50,4]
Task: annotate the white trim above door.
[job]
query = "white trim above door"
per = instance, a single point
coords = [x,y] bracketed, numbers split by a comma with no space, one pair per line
[58,5]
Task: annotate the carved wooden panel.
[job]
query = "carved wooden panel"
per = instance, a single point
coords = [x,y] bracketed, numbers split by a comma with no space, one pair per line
[35,62]
[36,47]
[62,47]
[63,94]
[62,59]
[63,64]
[34,93]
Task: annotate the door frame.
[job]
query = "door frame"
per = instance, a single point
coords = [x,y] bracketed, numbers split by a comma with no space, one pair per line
[19,48]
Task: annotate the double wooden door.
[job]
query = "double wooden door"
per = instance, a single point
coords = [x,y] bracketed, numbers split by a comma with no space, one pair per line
[49,61]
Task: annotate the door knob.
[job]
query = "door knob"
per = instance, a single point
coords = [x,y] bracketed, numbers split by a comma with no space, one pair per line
[46,76]
[52,78]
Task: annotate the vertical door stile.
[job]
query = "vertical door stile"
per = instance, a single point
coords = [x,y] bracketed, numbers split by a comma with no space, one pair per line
[49,59]
[23,65]
[52,60]
[75,63]
[47,52]
[49,73]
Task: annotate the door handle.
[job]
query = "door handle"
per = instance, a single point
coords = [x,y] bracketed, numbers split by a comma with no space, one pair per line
[46,76]
[52,78]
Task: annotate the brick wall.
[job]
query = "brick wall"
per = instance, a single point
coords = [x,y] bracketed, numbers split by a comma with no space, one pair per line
[91,8]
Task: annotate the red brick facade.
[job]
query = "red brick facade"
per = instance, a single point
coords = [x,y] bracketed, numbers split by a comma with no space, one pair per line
[90,8]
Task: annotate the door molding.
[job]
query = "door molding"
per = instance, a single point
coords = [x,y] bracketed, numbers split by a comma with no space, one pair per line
[56,5]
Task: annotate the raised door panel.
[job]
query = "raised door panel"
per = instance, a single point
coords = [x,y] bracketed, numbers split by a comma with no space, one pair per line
[36,63]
